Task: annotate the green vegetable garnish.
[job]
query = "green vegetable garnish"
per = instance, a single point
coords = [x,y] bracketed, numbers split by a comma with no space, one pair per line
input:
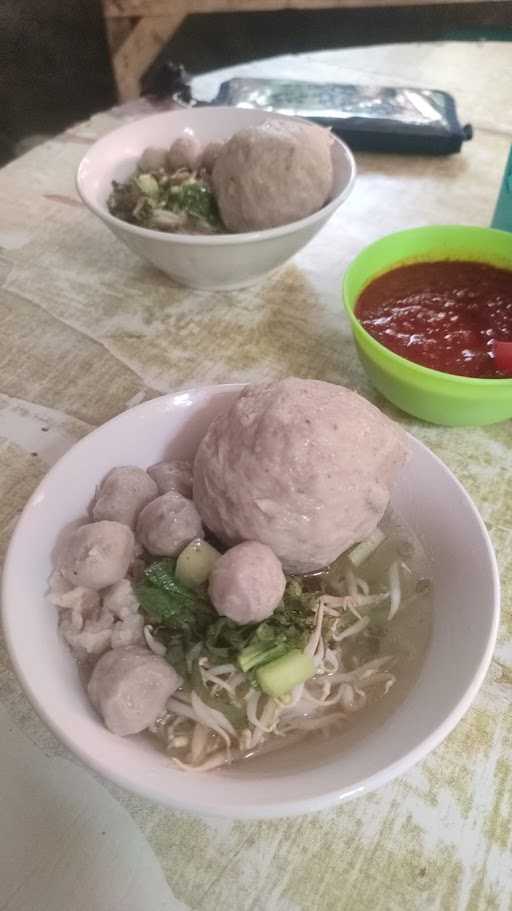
[280,676]
[196,199]
[162,575]
[166,601]
[155,603]
[146,198]
[224,639]
[294,617]
[257,653]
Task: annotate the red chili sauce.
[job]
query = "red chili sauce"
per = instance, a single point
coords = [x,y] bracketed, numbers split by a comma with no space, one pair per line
[450,316]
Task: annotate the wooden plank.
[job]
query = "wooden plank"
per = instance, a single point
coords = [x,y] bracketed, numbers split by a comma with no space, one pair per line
[156,8]
[140,49]
[117,32]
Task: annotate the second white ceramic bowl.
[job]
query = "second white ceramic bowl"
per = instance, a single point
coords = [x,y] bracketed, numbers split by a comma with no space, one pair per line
[221,261]
[380,745]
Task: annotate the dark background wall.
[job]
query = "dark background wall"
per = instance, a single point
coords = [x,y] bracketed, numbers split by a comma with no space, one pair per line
[55,69]
[54,66]
[206,42]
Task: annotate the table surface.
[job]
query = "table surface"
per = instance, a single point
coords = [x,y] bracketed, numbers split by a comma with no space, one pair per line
[86,332]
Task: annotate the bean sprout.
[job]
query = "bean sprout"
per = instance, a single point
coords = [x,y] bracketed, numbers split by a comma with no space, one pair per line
[198,745]
[220,669]
[362,585]
[219,683]
[181,708]
[314,639]
[314,724]
[153,644]
[213,719]
[394,589]
[351,583]
[353,630]
[213,762]
[361,552]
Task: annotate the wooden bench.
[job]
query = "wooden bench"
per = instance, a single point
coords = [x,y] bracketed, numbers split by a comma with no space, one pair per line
[138,29]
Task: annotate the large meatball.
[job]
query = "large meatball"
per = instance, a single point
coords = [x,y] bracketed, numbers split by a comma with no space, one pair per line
[168,524]
[129,687]
[96,555]
[210,154]
[122,495]
[272,175]
[301,465]
[247,583]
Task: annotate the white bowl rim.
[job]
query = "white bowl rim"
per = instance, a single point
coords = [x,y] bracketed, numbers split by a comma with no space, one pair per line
[259,810]
[206,239]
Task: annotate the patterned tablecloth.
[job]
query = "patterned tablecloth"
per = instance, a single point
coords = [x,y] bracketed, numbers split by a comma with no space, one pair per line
[87,330]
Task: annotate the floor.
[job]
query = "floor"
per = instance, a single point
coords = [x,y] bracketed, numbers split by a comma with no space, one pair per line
[55,65]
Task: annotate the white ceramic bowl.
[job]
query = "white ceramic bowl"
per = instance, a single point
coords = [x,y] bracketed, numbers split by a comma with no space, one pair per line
[221,261]
[309,777]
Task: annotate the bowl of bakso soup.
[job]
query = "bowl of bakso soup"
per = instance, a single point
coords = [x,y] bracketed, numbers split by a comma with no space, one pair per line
[216,197]
[246,600]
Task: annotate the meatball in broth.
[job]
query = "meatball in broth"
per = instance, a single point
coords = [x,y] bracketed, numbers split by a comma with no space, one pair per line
[129,687]
[168,524]
[122,495]
[247,583]
[96,555]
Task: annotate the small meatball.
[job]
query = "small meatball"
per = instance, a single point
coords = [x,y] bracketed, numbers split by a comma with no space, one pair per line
[210,154]
[174,475]
[129,631]
[247,583]
[120,600]
[168,524]
[129,687]
[122,495]
[87,638]
[184,153]
[153,159]
[96,555]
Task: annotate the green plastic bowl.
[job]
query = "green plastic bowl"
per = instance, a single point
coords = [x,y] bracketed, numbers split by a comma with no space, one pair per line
[440,398]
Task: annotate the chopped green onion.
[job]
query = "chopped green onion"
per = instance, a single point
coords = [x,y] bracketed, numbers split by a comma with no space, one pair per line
[257,653]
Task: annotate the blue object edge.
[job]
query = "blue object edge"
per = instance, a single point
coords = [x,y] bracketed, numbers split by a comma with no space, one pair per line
[502,218]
